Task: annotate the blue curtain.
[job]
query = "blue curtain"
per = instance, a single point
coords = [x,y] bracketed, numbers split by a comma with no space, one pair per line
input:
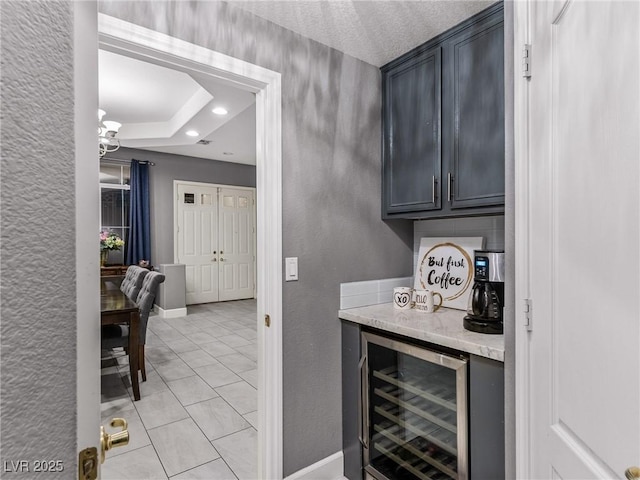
[139,242]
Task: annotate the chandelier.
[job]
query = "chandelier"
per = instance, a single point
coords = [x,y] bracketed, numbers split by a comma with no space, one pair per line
[107,132]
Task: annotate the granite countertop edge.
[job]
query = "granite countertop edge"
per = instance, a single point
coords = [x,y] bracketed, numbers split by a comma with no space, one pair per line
[441,328]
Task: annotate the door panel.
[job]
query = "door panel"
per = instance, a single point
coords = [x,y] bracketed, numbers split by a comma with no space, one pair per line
[190,273]
[197,240]
[237,274]
[189,241]
[207,273]
[584,239]
[244,279]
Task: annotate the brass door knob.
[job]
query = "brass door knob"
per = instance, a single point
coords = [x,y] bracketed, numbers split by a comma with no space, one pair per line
[112,440]
[632,473]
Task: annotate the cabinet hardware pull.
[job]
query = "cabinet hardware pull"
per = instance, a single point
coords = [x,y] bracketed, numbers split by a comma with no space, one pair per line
[433,189]
[363,403]
[449,188]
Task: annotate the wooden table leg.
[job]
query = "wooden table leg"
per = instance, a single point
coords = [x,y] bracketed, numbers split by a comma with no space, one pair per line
[134,329]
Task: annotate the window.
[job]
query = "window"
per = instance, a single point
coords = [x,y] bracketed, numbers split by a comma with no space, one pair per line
[114,204]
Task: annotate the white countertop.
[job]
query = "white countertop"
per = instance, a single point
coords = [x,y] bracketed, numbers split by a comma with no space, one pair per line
[442,328]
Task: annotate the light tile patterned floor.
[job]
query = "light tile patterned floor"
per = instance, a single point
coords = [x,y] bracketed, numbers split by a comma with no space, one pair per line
[196,418]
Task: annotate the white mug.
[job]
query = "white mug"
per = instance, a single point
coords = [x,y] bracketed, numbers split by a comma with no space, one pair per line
[424,301]
[402,298]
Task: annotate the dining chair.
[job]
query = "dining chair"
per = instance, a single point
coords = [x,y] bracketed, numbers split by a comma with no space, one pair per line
[132,281]
[118,335]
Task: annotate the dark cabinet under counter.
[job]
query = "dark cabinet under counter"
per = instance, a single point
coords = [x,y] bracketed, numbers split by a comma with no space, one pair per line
[414,428]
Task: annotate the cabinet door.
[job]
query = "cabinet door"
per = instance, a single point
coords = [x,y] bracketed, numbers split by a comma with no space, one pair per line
[474,69]
[411,137]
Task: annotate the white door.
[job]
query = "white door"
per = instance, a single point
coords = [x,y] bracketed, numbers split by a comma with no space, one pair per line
[198,241]
[236,234]
[578,240]
[216,241]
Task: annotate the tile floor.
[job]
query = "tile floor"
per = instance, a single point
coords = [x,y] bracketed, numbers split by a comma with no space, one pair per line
[197,417]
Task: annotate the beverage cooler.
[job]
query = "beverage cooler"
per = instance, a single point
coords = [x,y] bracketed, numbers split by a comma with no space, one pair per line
[413,411]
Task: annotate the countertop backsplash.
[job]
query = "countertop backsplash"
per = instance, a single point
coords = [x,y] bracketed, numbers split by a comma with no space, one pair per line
[371,292]
[489,227]
[374,292]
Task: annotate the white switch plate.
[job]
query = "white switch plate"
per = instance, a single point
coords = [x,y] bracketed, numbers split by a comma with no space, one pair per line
[291,269]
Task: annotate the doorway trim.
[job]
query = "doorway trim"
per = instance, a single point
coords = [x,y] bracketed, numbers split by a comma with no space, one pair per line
[522,202]
[122,37]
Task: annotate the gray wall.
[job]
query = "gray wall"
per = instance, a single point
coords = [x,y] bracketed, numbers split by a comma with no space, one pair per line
[168,168]
[37,252]
[331,197]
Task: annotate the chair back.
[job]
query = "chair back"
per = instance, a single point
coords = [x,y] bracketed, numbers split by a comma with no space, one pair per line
[132,282]
[145,300]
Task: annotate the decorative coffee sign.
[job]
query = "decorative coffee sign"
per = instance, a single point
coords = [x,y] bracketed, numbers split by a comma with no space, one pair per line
[445,265]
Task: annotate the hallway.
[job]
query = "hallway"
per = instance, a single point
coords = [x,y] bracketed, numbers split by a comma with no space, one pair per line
[197,416]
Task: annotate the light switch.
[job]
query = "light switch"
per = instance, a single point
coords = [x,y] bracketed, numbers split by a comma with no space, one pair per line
[291,269]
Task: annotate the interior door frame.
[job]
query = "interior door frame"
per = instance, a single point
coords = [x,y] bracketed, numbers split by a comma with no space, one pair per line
[125,38]
[216,185]
[521,223]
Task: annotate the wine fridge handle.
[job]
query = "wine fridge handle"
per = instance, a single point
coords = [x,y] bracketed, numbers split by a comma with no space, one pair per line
[363,403]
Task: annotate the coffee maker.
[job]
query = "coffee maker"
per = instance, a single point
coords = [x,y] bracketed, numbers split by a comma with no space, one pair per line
[486,302]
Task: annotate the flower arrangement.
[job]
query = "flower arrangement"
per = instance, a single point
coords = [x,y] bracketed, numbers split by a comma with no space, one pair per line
[110,241]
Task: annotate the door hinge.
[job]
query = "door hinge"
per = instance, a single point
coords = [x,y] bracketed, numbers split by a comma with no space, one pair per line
[528,315]
[267,320]
[526,61]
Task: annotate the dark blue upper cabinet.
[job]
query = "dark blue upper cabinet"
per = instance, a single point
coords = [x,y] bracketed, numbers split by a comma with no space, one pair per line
[475,139]
[443,124]
[412,143]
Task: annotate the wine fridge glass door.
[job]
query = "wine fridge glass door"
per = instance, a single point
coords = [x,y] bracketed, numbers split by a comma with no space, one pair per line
[414,411]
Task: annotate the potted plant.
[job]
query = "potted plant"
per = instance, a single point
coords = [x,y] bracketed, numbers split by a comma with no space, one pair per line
[108,241]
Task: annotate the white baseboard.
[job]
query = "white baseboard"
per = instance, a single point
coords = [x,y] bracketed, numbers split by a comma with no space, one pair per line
[172,313]
[329,468]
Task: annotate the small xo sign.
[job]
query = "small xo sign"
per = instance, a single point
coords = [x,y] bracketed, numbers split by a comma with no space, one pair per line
[402,298]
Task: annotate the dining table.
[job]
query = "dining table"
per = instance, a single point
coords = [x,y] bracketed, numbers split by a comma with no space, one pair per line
[117,308]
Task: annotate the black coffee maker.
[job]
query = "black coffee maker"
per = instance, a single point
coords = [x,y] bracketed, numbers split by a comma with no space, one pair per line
[486,302]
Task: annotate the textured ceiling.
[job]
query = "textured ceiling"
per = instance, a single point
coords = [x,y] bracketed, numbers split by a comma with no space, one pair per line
[375,31]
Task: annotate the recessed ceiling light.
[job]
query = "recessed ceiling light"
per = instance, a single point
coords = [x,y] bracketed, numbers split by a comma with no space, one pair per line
[220,111]
[192,133]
